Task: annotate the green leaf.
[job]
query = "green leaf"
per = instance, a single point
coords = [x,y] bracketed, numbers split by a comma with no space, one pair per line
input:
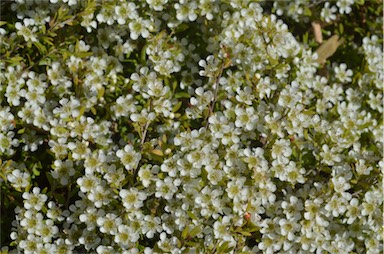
[181,28]
[182,95]
[83,54]
[191,215]
[184,234]
[174,85]
[143,54]
[158,152]
[244,233]
[100,92]
[177,107]
[204,175]
[35,170]
[195,231]
[305,38]
[81,112]
[93,110]
[15,60]
[42,49]
[223,248]
[192,244]
[307,12]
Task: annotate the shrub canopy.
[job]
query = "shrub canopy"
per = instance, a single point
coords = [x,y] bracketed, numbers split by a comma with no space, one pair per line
[202,126]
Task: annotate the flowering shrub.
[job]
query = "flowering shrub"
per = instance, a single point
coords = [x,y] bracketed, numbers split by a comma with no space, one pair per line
[201,126]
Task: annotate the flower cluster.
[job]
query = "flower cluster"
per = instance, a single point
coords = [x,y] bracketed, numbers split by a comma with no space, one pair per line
[208,128]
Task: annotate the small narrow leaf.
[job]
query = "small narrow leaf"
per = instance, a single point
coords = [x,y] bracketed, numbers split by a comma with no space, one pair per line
[184,234]
[195,231]
[157,152]
[177,107]
[191,215]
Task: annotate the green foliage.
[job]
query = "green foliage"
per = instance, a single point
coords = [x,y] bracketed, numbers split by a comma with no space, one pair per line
[191,126]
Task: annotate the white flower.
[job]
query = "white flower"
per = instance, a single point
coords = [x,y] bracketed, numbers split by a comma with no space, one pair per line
[186,11]
[139,27]
[109,223]
[336,206]
[220,228]
[246,118]
[236,189]
[129,157]
[156,89]
[27,33]
[245,96]
[329,156]
[328,14]
[215,176]
[62,171]
[166,188]
[293,208]
[7,142]
[34,200]
[281,148]
[353,210]
[99,195]
[88,182]
[151,225]
[146,174]
[288,228]
[343,74]
[132,198]
[125,11]
[19,179]
[31,221]
[47,230]
[344,6]
[80,150]
[125,235]
[157,5]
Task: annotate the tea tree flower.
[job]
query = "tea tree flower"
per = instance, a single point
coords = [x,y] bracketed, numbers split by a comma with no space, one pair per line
[47,230]
[108,223]
[63,171]
[281,148]
[221,229]
[19,179]
[32,221]
[208,127]
[236,189]
[128,157]
[151,225]
[166,188]
[99,196]
[330,156]
[186,11]
[343,74]
[328,13]
[344,6]
[132,199]
[88,182]
[24,30]
[34,200]
[139,27]
[353,210]
[126,236]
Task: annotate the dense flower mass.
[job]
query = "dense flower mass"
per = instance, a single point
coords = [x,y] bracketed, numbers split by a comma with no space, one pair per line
[201,126]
